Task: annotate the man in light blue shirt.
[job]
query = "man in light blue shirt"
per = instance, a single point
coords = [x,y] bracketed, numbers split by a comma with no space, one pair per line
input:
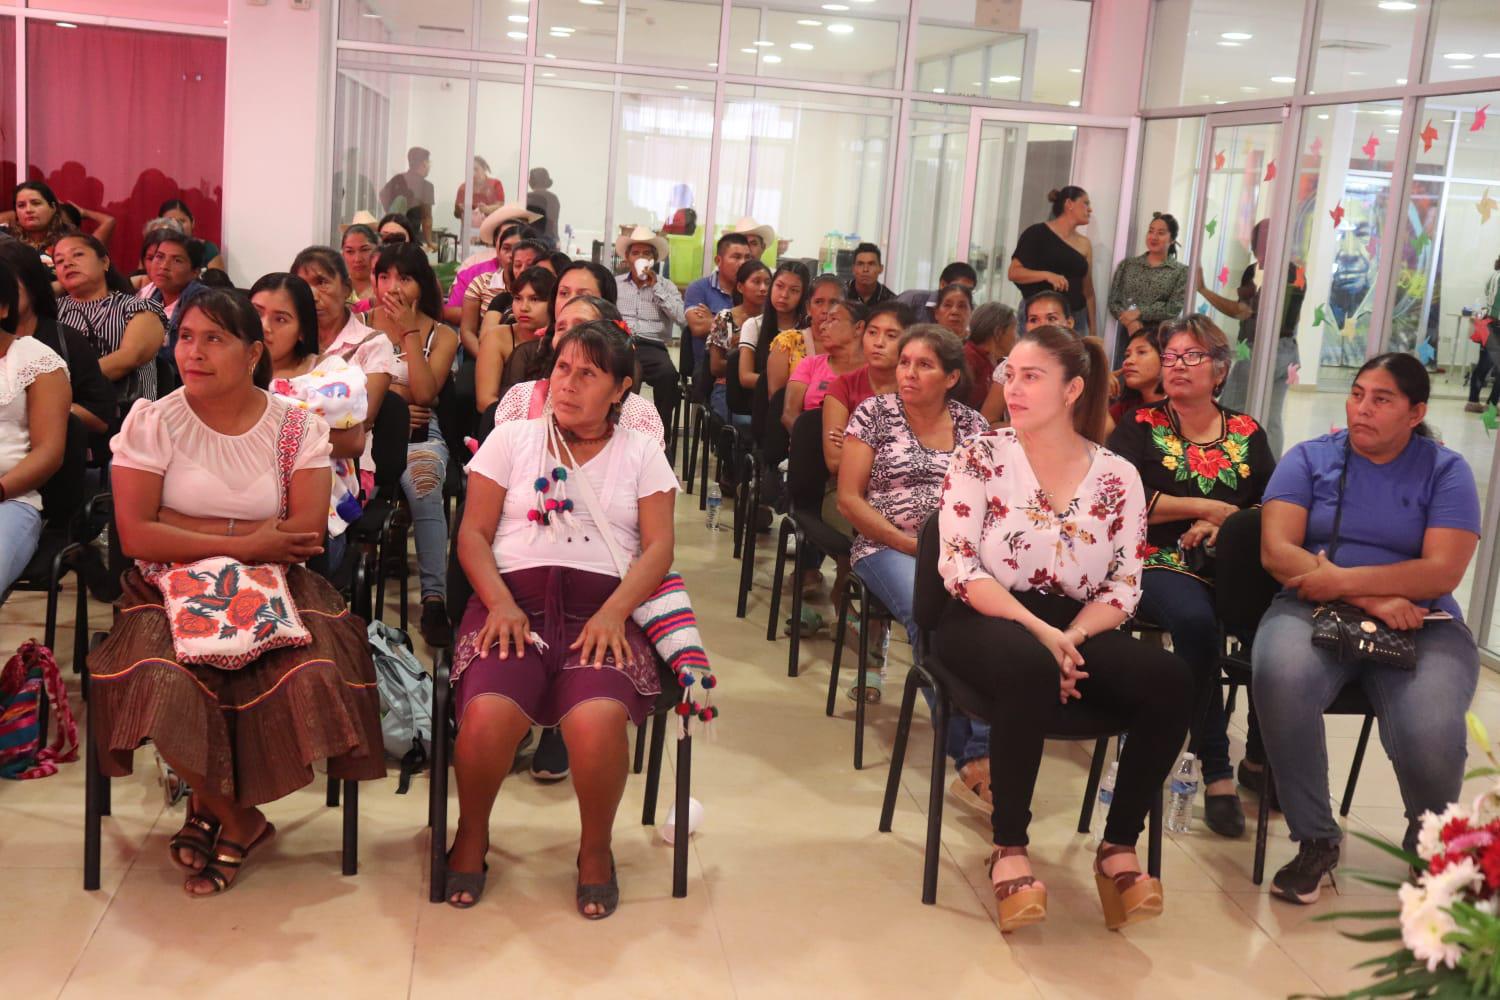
[650,305]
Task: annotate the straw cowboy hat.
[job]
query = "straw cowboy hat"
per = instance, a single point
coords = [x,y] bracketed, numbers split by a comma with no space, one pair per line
[748,226]
[641,234]
[505,213]
[363,218]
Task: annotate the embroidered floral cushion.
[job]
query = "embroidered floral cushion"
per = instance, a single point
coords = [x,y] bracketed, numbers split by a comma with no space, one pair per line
[226,614]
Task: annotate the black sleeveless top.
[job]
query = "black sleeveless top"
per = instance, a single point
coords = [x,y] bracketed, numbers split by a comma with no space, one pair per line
[1041,249]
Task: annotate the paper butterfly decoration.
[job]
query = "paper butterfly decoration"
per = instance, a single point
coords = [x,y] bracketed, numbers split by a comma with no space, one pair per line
[1428,135]
[1481,118]
[1371,144]
[1337,214]
[1219,160]
[1271,171]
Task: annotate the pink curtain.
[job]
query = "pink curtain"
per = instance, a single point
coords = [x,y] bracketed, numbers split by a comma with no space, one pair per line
[121,120]
[7,108]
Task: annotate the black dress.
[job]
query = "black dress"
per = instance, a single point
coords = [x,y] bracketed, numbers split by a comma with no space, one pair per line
[1041,249]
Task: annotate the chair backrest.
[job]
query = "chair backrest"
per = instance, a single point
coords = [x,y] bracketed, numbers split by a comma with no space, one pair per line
[63,495]
[929,596]
[807,473]
[774,439]
[736,396]
[388,440]
[459,590]
[760,411]
[1243,590]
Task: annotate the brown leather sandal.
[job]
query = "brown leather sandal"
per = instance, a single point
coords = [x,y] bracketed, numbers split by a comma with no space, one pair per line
[197,837]
[1127,897]
[1020,902]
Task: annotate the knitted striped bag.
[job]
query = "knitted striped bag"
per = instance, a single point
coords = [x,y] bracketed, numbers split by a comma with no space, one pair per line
[28,677]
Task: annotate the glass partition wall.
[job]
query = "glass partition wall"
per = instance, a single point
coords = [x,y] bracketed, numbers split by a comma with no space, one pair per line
[1353,180]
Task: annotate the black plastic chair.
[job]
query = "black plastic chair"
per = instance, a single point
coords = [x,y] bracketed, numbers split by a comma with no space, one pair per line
[1077,722]
[445,731]
[96,795]
[1243,592]
[382,530]
[770,448]
[806,482]
[858,597]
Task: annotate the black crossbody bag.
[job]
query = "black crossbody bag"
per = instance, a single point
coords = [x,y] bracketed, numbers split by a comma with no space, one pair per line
[1353,635]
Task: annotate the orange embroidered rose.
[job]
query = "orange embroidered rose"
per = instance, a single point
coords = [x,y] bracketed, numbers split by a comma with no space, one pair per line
[243,609]
[194,626]
[184,584]
[261,576]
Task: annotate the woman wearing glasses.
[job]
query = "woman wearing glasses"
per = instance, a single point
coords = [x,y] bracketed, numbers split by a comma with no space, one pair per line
[1200,463]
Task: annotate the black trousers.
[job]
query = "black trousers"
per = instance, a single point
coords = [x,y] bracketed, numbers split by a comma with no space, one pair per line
[1146,689]
[660,374]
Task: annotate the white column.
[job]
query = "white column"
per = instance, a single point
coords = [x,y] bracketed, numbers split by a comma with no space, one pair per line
[275,134]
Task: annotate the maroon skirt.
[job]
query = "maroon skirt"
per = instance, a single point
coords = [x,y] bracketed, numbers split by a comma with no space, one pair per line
[255,732]
[547,684]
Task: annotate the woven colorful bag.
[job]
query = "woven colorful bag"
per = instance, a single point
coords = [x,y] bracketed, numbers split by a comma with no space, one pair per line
[28,677]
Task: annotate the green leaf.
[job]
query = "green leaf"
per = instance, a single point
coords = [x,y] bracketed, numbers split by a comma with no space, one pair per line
[1477,731]
[1382,934]
[1482,772]
[1361,915]
[1391,849]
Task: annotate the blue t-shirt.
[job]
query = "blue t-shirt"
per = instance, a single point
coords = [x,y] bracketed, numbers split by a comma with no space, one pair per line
[706,292]
[1387,508]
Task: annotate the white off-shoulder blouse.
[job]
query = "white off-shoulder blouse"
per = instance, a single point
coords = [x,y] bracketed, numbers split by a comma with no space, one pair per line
[997,524]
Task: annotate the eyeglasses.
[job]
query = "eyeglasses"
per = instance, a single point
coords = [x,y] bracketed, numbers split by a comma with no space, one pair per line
[1190,358]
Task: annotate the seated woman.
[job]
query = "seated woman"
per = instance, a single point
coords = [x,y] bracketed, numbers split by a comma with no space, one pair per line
[34,401]
[340,332]
[1382,517]
[523,255]
[1140,375]
[785,309]
[1042,533]
[289,327]
[223,470]
[1047,308]
[558,583]
[577,278]
[36,316]
[359,247]
[880,347]
[409,308]
[840,337]
[124,330]
[752,286]
[396,227]
[896,451]
[1199,462]
[777,355]
[176,209]
[493,372]
[955,306]
[992,333]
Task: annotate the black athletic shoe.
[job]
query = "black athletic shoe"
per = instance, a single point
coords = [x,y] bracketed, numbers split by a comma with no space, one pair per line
[550,762]
[437,631]
[1301,879]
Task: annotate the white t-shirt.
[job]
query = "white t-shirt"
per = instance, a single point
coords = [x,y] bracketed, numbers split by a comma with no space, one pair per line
[27,359]
[750,332]
[630,467]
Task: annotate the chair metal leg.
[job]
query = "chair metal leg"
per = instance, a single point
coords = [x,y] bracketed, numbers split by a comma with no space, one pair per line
[54,591]
[703,473]
[640,749]
[351,827]
[747,549]
[405,600]
[92,817]
[1359,760]
[940,709]
[898,751]
[1263,821]
[659,723]
[841,613]
[680,837]
[437,793]
[1091,790]
[1231,699]
[863,674]
[1153,843]
[106,795]
[81,628]
[783,536]
[333,792]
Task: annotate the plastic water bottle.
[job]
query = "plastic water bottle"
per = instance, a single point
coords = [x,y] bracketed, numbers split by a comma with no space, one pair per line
[1186,777]
[715,501]
[1102,803]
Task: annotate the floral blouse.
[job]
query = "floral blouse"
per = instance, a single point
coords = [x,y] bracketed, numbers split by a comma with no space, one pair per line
[996,523]
[1234,468]
[906,474]
[794,343]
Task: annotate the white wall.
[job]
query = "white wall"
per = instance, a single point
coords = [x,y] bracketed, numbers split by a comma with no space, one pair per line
[276,134]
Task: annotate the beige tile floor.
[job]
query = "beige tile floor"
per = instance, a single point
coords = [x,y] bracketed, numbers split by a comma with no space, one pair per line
[792,891]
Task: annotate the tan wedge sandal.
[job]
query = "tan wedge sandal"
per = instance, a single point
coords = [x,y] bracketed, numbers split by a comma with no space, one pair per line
[1022,901]
[1127,897]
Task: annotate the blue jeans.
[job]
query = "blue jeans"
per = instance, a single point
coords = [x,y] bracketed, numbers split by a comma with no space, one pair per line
[1184,606]
[891,576]
[20,529]
[426,469]
[1421,715]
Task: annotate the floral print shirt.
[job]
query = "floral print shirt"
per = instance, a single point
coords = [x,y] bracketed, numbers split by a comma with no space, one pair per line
[906,475]
[1233,468]
[996,523]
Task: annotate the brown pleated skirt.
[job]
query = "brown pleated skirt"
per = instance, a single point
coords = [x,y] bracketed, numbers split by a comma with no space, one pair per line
[255,732]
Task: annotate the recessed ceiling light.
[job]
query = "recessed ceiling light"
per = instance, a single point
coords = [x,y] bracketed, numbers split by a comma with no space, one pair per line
[66,24]
[1458,56]
[562,32]
[841,29]
[770,59]
[1396,5]
[1400,81]
[802,46]
[836,6]
[1322,118]
[1221,102]
[591,3]
[1391,112]
[375,17]
[517,18]
[1236,36]
[1356,72]
[680,86]
[713,65]
[1283,79]
[750,51]
[1492,55]
[939,90]
[808,22]
[1007,78]
[519,36]
[548,73]
[1072,104]
[1228,45]
[1074,69]
[762,42]
[1462,66]
[1248,89]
